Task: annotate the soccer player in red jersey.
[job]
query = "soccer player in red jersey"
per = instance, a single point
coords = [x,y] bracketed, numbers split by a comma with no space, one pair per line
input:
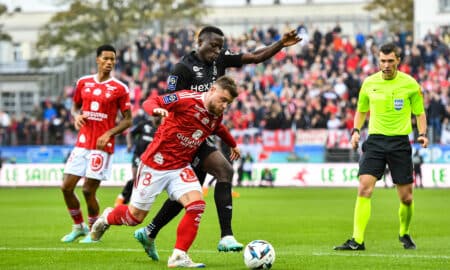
[197,71]
[96,101]
[190,117]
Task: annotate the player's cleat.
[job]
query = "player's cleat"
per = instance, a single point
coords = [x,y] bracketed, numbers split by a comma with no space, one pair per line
[229,243]
[87,240]
[407,241]
[78,230]
[100,226]
[148,245]
[183,260]
[351,244]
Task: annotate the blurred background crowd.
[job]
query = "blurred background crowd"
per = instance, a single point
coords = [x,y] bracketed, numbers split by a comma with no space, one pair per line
[311,85]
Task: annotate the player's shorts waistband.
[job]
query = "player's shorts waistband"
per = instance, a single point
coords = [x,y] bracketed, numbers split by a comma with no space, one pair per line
[386,136]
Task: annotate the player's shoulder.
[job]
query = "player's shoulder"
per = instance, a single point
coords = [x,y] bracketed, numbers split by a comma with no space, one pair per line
[86,78]
[375,77]
[189,94]
[183,96]
[120,84]
[406,77]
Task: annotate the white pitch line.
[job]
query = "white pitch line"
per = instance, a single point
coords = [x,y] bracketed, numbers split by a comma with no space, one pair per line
[365,254]
[319,254]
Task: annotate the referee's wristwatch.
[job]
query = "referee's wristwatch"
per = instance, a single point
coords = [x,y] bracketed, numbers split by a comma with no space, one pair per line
[355,130]
[423,135]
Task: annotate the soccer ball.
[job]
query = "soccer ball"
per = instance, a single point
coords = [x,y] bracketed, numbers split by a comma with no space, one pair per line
[259,254]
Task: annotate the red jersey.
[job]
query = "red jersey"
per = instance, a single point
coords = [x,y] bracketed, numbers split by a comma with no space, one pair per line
[100,102]
[182,132]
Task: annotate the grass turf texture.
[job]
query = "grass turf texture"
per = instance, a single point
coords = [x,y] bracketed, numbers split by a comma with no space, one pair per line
[302,224]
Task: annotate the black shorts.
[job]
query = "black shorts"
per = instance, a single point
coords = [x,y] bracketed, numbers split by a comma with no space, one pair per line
[135,160]
[395,151]
[206,148]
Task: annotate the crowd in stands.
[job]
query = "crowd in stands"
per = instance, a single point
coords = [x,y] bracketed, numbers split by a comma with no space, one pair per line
[314,84]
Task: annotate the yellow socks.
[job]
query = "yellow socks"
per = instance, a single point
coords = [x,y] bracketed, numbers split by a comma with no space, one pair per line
[361,218]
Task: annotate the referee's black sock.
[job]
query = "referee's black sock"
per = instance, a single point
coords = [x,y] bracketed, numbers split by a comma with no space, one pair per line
[224,205]
[168,211]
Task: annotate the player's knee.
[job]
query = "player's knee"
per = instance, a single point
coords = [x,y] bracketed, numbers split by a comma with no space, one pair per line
[407,200]
[196,208]
[225,173]
[66,190]
[87,192]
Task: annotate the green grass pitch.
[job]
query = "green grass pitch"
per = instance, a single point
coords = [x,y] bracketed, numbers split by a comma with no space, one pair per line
[303,225]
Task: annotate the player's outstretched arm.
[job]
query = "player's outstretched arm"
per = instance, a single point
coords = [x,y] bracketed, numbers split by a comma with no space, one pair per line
[289,38]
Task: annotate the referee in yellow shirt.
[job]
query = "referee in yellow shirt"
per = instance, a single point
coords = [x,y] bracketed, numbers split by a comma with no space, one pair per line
[391,96]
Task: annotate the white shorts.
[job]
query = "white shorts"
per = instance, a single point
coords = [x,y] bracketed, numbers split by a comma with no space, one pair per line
[150,183]
[92,164]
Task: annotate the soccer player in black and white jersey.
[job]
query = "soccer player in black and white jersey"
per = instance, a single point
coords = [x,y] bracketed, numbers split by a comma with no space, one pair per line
[197,71]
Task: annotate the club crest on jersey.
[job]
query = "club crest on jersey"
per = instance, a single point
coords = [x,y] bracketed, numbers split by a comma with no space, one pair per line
[172,82]
[197,134]
[170,98]
[205,121]
[398,104]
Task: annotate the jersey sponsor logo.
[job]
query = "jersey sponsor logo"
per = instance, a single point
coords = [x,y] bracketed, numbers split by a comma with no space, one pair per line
[110,87]
[82,138]
[398,104]
[96,162]
[188,175]
[158,158]
[95,116]
[189,142]
[201,87]
[172,83]
[87,90]
[170,98]
[89,84]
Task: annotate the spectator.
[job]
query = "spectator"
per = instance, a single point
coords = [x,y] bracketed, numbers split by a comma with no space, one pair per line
[267,178]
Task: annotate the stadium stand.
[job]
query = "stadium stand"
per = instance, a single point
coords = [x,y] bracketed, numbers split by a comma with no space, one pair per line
[314,85]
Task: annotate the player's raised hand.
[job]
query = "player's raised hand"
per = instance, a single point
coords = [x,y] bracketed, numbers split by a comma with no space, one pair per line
[235,154]
[290,38]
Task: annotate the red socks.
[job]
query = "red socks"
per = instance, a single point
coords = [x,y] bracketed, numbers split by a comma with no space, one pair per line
[122,216]
[76,215]
[188,226]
